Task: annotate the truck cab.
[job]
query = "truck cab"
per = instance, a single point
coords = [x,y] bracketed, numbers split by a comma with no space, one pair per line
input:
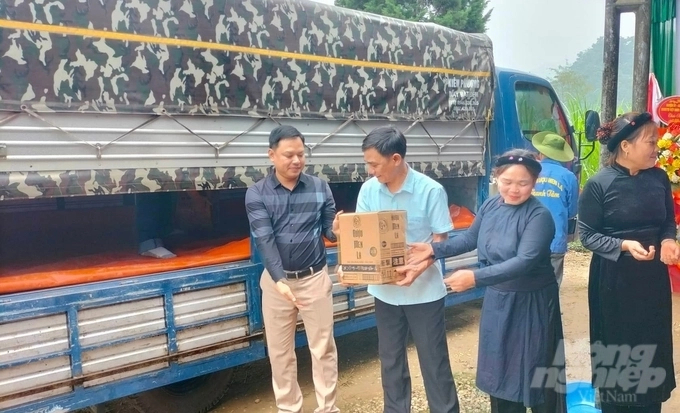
[527,104]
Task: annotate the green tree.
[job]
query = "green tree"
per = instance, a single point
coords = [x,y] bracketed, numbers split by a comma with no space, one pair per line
[469,16]
[569,79]
[570,85]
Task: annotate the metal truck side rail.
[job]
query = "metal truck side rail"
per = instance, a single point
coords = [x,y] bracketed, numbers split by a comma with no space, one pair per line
[63,346]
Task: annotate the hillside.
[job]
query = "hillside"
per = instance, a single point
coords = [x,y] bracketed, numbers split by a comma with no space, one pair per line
[582,79]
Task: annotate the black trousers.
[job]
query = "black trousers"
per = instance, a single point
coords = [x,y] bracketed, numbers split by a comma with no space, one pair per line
[613,408]
[426,323]
[506,406]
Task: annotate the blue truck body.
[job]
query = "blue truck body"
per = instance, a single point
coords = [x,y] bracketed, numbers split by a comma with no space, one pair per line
[235,285]
[105,106]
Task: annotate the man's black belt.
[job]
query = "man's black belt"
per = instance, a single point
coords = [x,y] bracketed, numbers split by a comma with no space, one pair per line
[296,275]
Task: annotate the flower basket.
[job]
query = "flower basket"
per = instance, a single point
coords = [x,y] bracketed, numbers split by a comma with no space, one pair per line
[669,161]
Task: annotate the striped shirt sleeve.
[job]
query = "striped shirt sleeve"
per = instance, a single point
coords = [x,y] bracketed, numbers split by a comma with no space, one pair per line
[263,232]
[328,213]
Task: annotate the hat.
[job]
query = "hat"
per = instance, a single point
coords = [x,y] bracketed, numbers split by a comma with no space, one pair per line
[553,146]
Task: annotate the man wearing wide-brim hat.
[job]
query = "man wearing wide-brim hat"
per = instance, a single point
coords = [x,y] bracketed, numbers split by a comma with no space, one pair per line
[557,188]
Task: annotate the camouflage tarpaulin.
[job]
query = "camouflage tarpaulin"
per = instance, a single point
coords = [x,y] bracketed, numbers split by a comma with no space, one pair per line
[256,57]
[50,184]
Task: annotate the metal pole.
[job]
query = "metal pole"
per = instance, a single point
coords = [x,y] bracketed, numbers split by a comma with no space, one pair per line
[610,73]
[643,28]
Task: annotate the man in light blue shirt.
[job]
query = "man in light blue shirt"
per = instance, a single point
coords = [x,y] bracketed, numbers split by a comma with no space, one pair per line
[415,303]
[557,188]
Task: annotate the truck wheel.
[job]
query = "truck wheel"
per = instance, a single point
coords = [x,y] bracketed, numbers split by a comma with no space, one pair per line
[198,395]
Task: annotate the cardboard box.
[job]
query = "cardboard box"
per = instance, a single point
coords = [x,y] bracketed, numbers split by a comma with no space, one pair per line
[372,245]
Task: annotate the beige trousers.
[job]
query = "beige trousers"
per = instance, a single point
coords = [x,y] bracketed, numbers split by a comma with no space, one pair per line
[314,303]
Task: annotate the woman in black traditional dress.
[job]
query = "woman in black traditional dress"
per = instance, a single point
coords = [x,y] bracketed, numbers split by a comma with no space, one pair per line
[521,328]
[625,216]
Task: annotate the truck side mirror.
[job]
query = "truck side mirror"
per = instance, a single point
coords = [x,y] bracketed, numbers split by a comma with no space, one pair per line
[592,124]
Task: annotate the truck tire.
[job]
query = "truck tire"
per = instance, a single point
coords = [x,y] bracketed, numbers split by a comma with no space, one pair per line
[198,395]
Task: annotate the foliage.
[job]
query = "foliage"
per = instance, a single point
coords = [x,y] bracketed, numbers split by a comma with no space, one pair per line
[576,246]
[469,16]
[589,152]
[570,84]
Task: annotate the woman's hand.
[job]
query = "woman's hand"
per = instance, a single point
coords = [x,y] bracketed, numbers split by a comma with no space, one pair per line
[419,252]
[638,251]
[411,272]
[670,252]
[461,280]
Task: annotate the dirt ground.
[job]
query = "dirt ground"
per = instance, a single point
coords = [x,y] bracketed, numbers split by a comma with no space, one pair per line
[360,390]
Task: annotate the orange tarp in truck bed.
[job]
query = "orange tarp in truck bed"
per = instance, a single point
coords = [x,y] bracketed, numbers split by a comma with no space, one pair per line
[461,217]
[102,267]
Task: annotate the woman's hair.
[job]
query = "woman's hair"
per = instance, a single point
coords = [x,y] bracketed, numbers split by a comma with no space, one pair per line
[518,157]
[622,129]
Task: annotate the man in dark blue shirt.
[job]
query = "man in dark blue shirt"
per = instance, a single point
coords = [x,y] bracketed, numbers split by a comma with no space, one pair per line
[557,188]
[289,212]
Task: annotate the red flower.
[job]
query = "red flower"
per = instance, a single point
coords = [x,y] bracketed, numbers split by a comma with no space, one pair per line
[674,128]
[676,205]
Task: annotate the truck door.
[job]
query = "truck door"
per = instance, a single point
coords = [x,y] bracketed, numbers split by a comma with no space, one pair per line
[538,110]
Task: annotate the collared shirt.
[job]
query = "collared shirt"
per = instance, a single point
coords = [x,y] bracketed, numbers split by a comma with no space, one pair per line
[557,189]
[427,213]
[288,225]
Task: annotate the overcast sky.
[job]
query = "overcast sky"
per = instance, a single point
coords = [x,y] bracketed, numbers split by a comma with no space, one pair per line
[537,35]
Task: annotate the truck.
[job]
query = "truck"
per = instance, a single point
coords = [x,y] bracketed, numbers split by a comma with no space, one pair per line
[128,122]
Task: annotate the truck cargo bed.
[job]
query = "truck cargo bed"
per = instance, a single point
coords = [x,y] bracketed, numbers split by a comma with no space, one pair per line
[54,242]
